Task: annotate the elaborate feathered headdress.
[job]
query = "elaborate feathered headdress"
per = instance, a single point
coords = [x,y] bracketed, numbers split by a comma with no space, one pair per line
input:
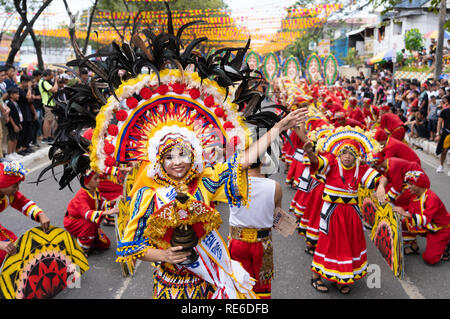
[359,142]
[143,98]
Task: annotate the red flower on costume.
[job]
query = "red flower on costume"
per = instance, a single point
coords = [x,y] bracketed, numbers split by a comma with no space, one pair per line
[121,115]
[109,148]
[146,93]
[228,125]
[113,130]
[209,101]
[219,111]
[110,161]
[194,93]
[163,89]
[132,102]
[178,88]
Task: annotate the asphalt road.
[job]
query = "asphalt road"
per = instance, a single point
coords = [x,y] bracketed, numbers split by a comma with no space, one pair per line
[292,265]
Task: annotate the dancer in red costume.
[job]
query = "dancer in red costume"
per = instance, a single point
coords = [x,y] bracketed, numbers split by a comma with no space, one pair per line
[341,254]
[11,175]
[301,164]
[370,112]
[392,188]
[394,148]
[85,213]
[427,215]
[110,185]
[392,123]
[355,113]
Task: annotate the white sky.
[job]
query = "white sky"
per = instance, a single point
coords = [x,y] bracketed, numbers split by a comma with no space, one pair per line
[258,9]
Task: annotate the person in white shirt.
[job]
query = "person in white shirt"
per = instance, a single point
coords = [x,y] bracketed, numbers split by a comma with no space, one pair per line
[250,238]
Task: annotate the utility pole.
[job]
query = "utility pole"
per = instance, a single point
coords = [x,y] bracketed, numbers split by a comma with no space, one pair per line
[440,43]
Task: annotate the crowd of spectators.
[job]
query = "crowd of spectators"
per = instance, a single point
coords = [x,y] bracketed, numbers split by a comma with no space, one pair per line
[418,104]
[26,120]
[422,106]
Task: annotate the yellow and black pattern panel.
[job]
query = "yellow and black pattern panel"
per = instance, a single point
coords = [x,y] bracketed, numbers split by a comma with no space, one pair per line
[39,256]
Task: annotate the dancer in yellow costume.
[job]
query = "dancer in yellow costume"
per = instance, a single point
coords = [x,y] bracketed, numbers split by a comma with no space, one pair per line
[191,141]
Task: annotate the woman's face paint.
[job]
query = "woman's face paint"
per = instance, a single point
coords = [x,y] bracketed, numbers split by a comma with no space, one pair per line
[177,162]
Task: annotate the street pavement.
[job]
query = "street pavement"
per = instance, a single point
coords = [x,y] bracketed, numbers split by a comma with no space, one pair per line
[292,265]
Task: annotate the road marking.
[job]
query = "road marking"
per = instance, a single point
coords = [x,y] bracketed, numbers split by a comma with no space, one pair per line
[126,282]
[411,290]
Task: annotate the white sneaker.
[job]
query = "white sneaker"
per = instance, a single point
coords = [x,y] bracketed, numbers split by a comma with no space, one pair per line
[448,173]
[16,156]
[440,169]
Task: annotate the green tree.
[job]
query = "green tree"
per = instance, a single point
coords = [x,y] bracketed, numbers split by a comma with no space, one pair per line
[353,58]
[29,11]
[300,47]
[413,40]
[437,6]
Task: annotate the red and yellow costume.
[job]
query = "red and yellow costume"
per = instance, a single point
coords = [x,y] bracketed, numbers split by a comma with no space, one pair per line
[341,254]
[11,174]
[394,125]
[83,219]
[429,217]
[397,191]
[395,148]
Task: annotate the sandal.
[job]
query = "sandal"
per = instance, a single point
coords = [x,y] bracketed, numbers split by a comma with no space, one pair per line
[412,250]
[310,250]
[318,284]
[343,289]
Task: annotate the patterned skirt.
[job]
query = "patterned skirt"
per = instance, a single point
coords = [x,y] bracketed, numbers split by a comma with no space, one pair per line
[312,214]
[341,255]
[169,283]
[295,171]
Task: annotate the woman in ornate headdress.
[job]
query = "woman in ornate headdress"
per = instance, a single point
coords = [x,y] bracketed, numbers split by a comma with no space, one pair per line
[340,255]
[192,146]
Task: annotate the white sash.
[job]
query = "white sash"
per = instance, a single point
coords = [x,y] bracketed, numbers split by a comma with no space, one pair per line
[215,266]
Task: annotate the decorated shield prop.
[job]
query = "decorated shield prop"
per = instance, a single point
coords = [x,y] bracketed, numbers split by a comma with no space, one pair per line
[330,69]
[313,68]
[271,66]
[127,266]
[292,68]
[386,233]
[367,207]
[253,60]
[44,265]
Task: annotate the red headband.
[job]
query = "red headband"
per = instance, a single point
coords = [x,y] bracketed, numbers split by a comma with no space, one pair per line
[11,173]
[417,178]
[377,158]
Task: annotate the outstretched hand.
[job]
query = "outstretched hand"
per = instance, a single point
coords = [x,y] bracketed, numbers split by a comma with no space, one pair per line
[294,118]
